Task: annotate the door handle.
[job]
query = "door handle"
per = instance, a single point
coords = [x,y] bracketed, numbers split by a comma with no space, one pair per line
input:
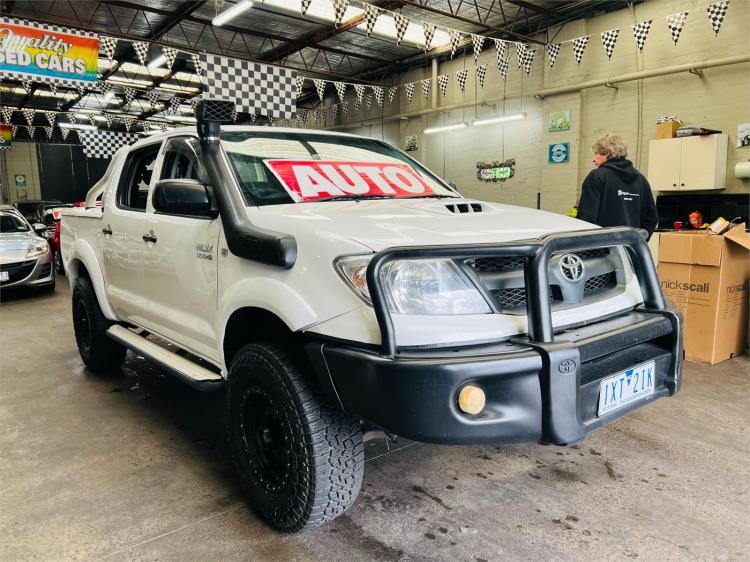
[107,231]
[149,238]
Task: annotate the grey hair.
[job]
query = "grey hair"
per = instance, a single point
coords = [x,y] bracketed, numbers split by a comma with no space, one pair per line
[611,146]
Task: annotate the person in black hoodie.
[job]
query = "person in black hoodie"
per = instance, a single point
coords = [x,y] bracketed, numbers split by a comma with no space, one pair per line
[615,193]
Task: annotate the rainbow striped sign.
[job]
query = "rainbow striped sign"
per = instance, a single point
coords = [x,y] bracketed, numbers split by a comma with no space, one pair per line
[51,53]
[6,137]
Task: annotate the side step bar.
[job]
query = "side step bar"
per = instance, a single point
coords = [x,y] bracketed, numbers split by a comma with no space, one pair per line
[193,374]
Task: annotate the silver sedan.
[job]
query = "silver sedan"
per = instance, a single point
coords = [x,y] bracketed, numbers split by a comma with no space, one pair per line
[25,256]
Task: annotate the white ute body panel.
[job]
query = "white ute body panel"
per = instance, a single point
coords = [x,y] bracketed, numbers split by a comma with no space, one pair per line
[167,290]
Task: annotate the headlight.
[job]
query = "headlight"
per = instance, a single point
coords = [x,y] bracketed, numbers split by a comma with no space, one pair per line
[424,287]
[38,248]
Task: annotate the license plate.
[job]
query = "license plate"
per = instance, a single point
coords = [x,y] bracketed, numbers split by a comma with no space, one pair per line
[4,276]
[626,387]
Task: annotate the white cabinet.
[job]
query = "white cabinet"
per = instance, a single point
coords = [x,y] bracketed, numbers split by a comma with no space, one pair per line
[688,163]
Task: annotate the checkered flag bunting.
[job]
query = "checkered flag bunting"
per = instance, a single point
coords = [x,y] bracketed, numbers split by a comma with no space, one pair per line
[53,88]
[64,132]
[320,87]
[716,13]
[31,131]
[304,5]
[48,132]
[359,89]
[402,22]
[153,98]
[553,49]
[528,59]
[103,144]
[256,88]
[104,87]
[303,114]
[163,126]
[579,46]
[170,54]
[81,90]
[339,9]
[197,63]
[368,102]
[51,116]
[455,38]
[443,83]
[355,107]
[429,33]
[345,108]
[108,44]
[324,115]
[371,17]
[7,114]
[72,117]
[410,90]
[477,41]
[609,40]
[129,122]
[426,87]
[481,74]
[109,118]
[28,114]
[141,50]
[501,50]
[675,23]
[640,32]
[461,78]
[334,112]
[502,67]
[392,93]
[174,104]
[130,95]
[378,91]
[299,81]
[520,50]
[26,85]
[340,89]
[92,119]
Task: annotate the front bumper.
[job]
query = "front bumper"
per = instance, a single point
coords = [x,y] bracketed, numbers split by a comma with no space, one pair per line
[31,272]
[544,386]
[529,399]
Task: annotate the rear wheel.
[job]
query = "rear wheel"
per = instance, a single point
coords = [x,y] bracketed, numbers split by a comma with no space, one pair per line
[97,350]
[301,459]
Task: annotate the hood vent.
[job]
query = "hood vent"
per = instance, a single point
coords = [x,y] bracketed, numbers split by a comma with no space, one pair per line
[461,208]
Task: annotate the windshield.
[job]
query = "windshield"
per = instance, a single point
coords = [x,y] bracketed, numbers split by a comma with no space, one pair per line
[11,222]
[277,168]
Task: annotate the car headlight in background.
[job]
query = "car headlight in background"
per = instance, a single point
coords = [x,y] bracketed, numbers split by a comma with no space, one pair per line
[38,248]
[424,287]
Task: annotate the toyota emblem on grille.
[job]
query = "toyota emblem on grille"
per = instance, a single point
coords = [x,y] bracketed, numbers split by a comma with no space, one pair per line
[571,266]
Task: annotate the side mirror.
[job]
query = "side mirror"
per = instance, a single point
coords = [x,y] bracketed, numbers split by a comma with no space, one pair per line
[182,197]
[39,228]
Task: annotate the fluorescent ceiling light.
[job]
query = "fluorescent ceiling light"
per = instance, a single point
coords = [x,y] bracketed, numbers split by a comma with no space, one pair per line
[109,96]
[499,119]
[231,13]
[129,81]
[180,118]
[157,62]
[82,126]
[443,128]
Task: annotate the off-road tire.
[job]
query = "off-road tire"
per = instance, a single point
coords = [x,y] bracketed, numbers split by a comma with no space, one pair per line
[324,454]
[98,351]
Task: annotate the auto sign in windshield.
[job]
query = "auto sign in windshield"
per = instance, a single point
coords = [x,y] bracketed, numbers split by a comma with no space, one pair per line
[294,168]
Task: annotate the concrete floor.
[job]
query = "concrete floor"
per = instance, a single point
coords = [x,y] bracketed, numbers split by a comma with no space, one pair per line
[133,466]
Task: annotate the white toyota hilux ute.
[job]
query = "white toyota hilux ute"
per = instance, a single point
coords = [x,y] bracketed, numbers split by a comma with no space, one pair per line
[331,284]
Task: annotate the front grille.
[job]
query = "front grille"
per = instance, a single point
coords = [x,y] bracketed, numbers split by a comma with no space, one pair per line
[514,298]
[17,270]
[599,283]
[505,263]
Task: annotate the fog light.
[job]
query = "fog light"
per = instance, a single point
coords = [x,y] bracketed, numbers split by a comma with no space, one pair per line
[471,399]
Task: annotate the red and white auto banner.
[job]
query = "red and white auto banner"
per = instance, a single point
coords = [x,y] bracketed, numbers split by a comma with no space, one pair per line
[308,180]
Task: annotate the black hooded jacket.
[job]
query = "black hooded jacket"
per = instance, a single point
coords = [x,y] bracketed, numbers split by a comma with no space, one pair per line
[616,194]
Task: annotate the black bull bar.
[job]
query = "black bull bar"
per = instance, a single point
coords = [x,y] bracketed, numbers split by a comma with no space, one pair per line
[559,377]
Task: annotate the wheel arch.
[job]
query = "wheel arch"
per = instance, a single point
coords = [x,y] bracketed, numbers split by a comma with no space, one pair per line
[83,263]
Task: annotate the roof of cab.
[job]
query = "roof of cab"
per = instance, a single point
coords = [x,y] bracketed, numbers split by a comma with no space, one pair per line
[191,130]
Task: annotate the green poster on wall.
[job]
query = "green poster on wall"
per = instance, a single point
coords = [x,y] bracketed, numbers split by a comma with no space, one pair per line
[559,121]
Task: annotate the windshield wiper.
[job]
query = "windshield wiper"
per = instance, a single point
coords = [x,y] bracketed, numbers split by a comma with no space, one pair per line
[434,196]
[350,198]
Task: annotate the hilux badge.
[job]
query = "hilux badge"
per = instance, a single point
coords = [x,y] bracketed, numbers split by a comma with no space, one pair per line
[571,266]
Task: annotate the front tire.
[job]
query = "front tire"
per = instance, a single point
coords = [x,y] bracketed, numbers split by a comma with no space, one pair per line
[301,458]
[98,351]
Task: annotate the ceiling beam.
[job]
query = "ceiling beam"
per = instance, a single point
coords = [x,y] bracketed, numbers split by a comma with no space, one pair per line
[486,26]
[532,7]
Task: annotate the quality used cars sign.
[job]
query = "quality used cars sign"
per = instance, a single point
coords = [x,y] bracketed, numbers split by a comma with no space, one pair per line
[40,50]
[308,180]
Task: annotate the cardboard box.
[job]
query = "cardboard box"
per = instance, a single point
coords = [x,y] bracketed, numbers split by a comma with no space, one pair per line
[706,276]
[667,130]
